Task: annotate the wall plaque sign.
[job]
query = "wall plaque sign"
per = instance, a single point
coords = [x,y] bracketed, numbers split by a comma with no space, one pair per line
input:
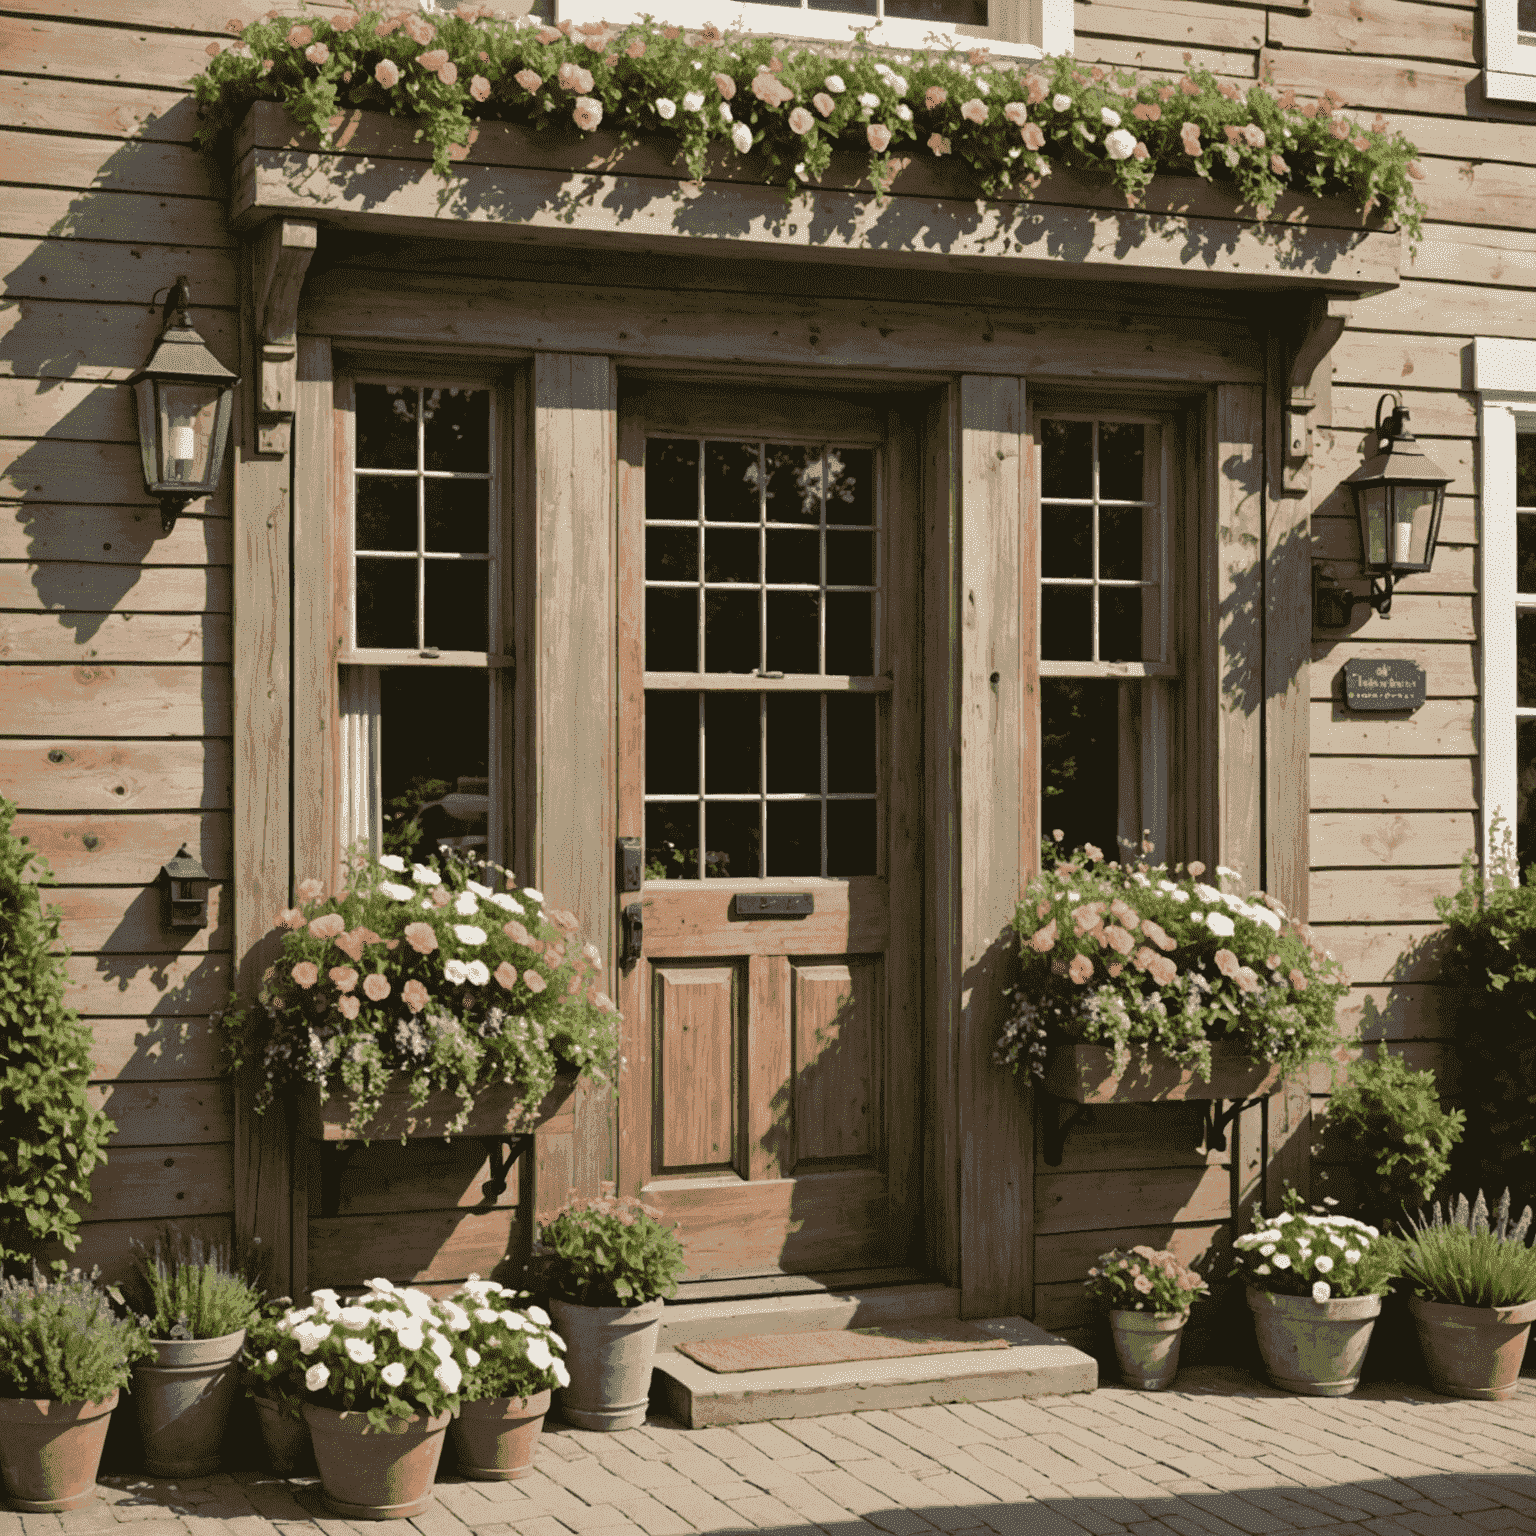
[1394,684]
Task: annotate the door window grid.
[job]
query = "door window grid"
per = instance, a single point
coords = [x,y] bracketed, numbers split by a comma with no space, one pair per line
[422,398]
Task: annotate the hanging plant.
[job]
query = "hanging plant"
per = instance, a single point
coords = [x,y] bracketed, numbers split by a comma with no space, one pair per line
[1011,121]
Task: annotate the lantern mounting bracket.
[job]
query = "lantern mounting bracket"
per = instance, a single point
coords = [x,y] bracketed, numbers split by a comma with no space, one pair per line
[280,257]
[1333,605]
[1322,323]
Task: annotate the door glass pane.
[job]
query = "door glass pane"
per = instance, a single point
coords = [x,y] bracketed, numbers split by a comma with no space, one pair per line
[672,743]
[731,840]
[732,743]
[672,840]
[794,744]
[851,837]
[851,743]
[794,837]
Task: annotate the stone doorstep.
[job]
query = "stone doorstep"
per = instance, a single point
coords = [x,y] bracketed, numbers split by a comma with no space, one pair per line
[1037,1364]
[881,1307]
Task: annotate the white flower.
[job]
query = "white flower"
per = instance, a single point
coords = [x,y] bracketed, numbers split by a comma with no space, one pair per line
[1263,1269]
[1231,874]
[1197,917]
[448,1375]
[456,973]
[1267,1249]
[506,903]
[485,1315]
[466,905]
[1178,895]
[477,888]
[1282,1218]
[392,862]
[903,111]
[1207,892]
[1061,102]
[398,892]
[1109,117]
[270,1357]
[800,170]
[1218,922]
[473,1356]
[467,933]
[693,101]
[562,1376]
[1322,1264]
[425,876]
[392,1374]
[383,1287]
[1120,145]
[316,1377]
[528,890]
[411,1338]
[355,1318]
[1282,1261]
[441,1346]
[725,114]
[539,1315]
[741,137]
[869,99]
[360,1351]
[834,83]
[310,1336]
[1265,916]
[1320,1291]
[666,110]
[458,1318]
[539,1356]
[418,1303]
[476,973]
[512,1320]
[1352,1255]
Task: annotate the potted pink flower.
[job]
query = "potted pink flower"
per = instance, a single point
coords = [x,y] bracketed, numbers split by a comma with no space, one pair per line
[1147,1293]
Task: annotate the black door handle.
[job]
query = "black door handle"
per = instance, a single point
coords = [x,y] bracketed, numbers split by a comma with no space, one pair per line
[634,933]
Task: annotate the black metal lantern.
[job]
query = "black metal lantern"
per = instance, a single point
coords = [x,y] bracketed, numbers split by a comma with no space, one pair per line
[185,397]
[1399,495]
[184,887]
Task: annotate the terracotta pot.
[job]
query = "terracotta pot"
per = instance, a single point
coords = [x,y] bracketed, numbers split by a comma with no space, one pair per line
[369,1474]
[1313,1347]
[1473,1351]
[495,1438]
[608,1351]
[183,1397]
[49,1452]
[1147,1347]
[286,1439]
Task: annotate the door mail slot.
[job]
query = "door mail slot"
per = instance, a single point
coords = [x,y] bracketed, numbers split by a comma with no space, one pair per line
[775,904]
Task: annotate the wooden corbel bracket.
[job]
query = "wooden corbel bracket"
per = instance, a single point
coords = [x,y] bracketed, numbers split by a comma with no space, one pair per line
[280,257]
[1321,324]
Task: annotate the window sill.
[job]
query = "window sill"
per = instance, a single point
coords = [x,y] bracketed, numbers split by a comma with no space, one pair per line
[518,185]
[1499,85]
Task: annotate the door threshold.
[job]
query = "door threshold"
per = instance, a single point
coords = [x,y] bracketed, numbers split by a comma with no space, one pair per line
[750,1285]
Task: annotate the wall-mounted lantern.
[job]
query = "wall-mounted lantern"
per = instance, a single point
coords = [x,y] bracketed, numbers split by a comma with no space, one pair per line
[185,397]
[1399,494]
[184,887]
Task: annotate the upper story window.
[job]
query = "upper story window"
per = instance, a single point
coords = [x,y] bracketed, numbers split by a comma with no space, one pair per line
[1012,28]
[1509,50]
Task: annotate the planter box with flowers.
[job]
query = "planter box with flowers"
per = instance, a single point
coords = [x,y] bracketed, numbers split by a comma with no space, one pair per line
[528,130]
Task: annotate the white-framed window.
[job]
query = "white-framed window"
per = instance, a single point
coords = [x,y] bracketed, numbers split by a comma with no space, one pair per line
[1107,660]
[423,668]
[1504,373]
[1509,50]
[1011,28]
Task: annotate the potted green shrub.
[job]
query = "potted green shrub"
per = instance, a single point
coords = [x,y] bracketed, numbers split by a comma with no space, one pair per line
[1147,1294]
[64,1357]
[1315,1284]
[197,1311]
[378,1379]
[514,1361]
[1473,1298]
[267,1365]
[608,1263]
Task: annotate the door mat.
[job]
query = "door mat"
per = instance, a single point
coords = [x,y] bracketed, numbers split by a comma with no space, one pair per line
[837,1346]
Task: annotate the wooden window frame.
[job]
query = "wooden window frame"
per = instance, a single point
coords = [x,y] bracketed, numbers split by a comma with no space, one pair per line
[1509,55]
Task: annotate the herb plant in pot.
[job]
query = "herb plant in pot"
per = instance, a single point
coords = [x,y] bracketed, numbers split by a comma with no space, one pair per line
[197,1310]
[1473,1298]
[1148,1294]
[378,1379]
[1315,1284]
[513,1364]
[64,1356]
[271,1353]
[608,1264]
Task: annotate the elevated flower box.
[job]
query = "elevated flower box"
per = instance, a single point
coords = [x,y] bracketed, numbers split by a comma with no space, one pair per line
[1085,1074]
[499,1111]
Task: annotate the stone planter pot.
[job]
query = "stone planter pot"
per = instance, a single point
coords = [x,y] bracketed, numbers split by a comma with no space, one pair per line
[1313,1347]
[183,1397]
[495,1438]
[1147,1347]
[1473,1351]
[608,1351]
[50,1452]
[286,1439]
[368,1474]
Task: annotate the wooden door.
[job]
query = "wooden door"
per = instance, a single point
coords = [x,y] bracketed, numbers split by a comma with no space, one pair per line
[770,757]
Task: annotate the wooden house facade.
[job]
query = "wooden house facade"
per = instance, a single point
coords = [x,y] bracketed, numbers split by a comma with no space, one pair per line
[611,367]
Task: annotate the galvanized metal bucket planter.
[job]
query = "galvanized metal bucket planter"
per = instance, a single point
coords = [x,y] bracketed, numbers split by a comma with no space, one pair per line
[1473,1351]
[182,1398]
[608,1351]
[1313,1347]
[1147,1347]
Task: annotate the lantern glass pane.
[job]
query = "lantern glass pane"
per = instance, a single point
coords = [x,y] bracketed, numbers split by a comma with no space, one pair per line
[188,415]
[1413,513]
[1373,523]
[149,440]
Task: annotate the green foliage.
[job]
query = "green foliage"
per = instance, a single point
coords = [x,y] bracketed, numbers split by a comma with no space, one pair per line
[1143,1279]
[1490,962]
[1392,1118]
[1470,1261]
[609,1252]
[271,1363]
[1010,121]
[50,1135]
[1322,1256]
[189,1291]
[60,1339]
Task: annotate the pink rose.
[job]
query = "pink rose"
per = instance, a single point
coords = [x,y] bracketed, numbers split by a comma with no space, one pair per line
[1227,963]
[938,143]
[1081,969]
[1032,136]
[387,73]
[517,933]
[1298,980]
[375,987]
[414,995]
[1190,136]
[448,73]
[328,926]
[506,974]
[479,87]
[306,973]
[823,103]
[768,88]
[974,110]
[310,890]
[434,59]
[349,1005]
[1044,941]
[317,53]
[300,36]
[440,896]
[533,981]
[588,113]
[879,137]
[421,937]
[529,81]
[344,22]
[351,945]
[574,78]
[801,121]
[935,97]
[1141,151]
[419,29]
[343,977]
[1036,89]
[635,48]
[1278,166]
[1016,113]
[289,917]
[726,86]
[1162,970]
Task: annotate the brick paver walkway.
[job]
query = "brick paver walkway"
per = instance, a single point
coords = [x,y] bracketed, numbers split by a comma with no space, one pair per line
[1222,1456]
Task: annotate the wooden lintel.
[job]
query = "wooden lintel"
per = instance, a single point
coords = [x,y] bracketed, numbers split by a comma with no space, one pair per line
[280,257]
[1319,326]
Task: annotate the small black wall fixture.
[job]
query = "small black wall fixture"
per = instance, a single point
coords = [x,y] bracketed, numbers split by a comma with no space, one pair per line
[184,891]
[1399,494]
[185,397]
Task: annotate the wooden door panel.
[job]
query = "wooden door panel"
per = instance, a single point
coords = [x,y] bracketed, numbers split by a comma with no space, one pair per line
[850,915]
[694,1014]
[836,1013]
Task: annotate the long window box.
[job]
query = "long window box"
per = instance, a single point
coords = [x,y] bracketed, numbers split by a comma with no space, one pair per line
[1085,1074]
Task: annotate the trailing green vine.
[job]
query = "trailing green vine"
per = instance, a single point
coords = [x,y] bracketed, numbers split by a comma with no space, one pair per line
[1012,121]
